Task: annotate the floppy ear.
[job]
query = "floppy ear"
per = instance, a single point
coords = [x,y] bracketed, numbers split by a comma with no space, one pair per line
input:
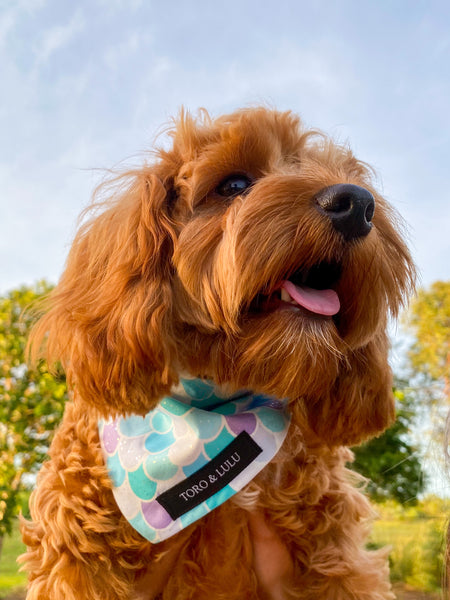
[360,404]
[109,317]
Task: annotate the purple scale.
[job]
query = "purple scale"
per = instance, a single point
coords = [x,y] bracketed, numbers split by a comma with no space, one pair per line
[155,515]
[242,422]
[110,437]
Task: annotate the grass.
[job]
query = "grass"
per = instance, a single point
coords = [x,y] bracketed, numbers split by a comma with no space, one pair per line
[10,578]
[415,534]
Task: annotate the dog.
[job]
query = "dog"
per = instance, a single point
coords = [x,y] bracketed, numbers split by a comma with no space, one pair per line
[252,260]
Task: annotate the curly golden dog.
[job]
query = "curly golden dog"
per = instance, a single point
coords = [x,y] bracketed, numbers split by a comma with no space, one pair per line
[253,259]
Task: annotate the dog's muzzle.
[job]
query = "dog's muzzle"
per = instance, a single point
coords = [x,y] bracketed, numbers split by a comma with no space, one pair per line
[349,207]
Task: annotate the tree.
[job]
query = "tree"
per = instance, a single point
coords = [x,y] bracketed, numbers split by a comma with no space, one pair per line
[390,462]
[427,396]
[31,403]
[429,354]
[429,321]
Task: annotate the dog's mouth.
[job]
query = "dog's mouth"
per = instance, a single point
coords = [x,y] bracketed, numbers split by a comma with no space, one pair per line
[306,289]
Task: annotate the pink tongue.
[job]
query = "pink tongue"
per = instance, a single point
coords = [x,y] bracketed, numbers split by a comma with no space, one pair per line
[322,302]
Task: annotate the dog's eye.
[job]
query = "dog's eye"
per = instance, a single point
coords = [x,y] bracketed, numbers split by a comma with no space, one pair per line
[233,185]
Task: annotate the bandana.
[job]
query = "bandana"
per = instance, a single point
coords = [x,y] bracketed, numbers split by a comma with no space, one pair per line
[190,454]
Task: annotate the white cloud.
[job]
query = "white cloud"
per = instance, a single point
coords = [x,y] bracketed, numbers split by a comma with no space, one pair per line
[7,22]
[113,6]
[116,54]
[57,37]
[11,15]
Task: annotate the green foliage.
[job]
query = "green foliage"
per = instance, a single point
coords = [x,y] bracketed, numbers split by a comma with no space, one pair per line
[10,578]
[416,535]
[390,462]
[429,320]
[31,404]
[429,359]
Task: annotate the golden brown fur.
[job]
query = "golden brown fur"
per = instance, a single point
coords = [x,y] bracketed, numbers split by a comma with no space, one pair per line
[161,280]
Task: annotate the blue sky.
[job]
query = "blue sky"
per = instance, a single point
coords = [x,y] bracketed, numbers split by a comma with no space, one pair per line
[88,84]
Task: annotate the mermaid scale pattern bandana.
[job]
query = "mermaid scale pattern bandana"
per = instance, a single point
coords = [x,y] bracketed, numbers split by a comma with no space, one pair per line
[195,450]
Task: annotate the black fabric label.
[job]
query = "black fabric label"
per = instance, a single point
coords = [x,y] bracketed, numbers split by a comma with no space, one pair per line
[211,478]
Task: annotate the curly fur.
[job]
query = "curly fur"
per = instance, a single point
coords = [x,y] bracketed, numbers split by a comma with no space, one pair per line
[161,280]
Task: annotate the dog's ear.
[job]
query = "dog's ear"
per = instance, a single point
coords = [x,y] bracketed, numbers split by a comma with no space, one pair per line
[108,320]
[360,404]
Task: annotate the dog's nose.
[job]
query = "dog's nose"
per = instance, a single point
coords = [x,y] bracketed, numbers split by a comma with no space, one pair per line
[350,208]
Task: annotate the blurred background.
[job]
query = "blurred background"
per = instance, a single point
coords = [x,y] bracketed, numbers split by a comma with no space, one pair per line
[87,85]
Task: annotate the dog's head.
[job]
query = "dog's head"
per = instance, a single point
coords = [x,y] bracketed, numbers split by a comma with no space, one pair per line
[252,252]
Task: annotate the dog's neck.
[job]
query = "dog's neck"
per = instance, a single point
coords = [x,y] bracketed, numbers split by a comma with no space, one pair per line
[204,393]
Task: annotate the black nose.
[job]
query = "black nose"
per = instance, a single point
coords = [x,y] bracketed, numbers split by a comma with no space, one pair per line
[349,207]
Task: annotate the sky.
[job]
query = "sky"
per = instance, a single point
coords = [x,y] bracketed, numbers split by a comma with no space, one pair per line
[87,85]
